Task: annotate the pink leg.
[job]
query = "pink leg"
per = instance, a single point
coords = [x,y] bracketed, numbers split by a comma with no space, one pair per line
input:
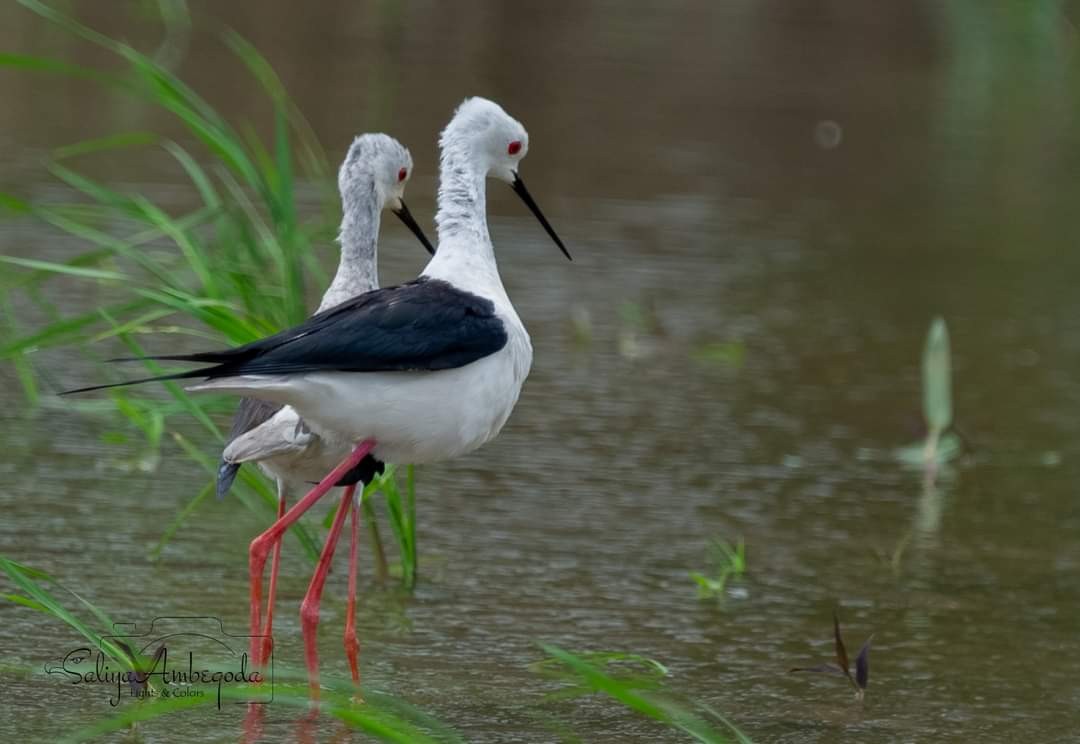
[352,645]
[271,592]
[309,608]
[260,546]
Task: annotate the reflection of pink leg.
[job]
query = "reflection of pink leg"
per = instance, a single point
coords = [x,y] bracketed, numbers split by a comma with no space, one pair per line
[253,724]
[271,592]
[352,645]
[260,546]
[305,727]
[309,608]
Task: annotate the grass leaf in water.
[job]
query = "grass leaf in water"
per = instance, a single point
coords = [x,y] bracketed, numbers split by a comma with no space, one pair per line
[861,678]
[650,703]
[937,379]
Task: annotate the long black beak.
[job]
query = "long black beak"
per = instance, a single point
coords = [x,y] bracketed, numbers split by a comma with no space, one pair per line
[405,216]
[519,188]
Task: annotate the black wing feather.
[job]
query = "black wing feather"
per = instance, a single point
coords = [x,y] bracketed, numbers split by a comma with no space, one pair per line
[425,324]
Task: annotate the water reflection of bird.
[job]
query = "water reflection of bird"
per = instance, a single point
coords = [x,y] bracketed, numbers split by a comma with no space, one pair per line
[372,177]
[417,373]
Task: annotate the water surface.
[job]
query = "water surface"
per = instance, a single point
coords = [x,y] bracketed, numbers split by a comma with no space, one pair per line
[809,182]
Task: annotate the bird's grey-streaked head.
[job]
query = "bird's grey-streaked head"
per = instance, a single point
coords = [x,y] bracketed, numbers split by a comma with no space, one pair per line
[378,165]
[496,142]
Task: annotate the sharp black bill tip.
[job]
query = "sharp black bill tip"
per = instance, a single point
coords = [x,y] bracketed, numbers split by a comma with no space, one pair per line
[523,193]
[403,214]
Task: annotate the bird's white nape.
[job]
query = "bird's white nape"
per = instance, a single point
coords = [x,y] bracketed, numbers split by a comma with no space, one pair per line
[474,145]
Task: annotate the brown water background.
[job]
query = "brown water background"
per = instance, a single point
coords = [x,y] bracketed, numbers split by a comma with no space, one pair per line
[809,182]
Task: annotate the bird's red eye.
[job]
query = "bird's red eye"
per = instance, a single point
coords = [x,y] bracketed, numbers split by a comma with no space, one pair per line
[514,148]
[401,174]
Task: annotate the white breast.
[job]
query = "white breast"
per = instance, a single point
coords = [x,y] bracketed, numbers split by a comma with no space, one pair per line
[419,417]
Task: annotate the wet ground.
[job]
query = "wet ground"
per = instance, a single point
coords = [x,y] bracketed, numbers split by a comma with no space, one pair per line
[767,204]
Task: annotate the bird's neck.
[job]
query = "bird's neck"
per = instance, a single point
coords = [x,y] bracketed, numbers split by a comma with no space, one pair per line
[358,267]
[465,248]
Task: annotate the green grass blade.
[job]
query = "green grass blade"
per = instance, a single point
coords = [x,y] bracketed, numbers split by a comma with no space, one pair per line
[123,140]
[381,716]
[659,710]
[400,525]
[34,591]
[137,324]
[313,155]
[67,269]
[31,63]
[23,368]
[178,393]
[63,331]
[410,520]
[14,204]
[178,520]
[95,190]
[196,259]
[197,175]
[937,379]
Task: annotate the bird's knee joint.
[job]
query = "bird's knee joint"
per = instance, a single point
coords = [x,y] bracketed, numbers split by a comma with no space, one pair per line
[309,613]
[259,549]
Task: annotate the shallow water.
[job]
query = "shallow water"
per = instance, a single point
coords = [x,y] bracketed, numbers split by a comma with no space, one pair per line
[812,182]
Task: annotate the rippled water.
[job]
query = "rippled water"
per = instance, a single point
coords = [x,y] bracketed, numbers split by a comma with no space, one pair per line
[810,181]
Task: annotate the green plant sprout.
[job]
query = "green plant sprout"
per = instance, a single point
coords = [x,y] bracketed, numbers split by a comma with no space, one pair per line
[728,562]
[941,444]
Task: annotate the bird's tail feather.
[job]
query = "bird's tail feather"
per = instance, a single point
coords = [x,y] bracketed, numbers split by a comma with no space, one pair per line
[191,373]
[206,357]
[226,474]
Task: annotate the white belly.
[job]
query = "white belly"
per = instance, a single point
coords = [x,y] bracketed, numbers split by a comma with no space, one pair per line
[416,417]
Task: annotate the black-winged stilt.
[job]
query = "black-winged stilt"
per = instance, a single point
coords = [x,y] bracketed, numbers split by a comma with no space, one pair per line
[420,372]
[372,178]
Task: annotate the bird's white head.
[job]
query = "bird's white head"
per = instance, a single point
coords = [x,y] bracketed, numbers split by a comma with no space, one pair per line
[377,167]
[495,143]
[495,140]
